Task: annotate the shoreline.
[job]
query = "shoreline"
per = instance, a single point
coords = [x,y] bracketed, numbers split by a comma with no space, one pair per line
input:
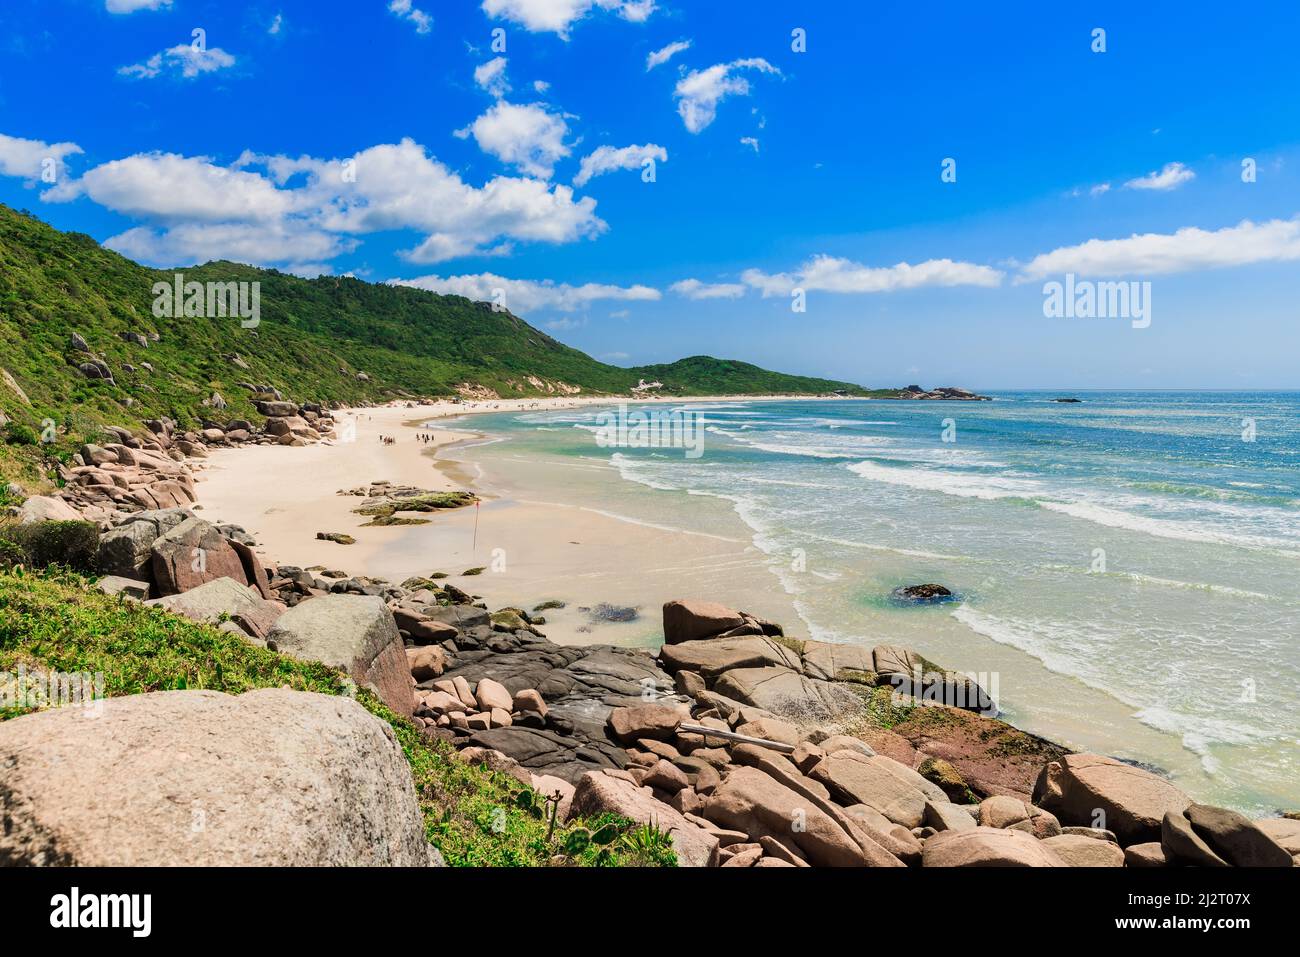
[531,551]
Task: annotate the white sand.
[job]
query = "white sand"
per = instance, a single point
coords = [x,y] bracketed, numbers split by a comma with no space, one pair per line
[532,551]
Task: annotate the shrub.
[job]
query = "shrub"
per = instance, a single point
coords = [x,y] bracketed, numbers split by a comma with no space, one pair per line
[18,434]
[41,544]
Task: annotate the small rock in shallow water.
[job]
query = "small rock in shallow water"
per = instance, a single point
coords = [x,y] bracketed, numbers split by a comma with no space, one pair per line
[928,594]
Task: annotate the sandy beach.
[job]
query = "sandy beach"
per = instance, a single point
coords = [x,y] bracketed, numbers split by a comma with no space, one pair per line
[530,551]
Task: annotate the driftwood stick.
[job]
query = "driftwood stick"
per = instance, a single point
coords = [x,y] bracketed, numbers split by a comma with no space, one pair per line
[732,736]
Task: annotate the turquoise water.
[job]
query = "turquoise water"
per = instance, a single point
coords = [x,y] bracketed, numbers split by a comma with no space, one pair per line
[1130,564]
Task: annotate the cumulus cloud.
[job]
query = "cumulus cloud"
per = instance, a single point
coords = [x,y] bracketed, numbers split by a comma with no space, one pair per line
[607,159]
[832,274]
[131,6]
[526,295]
[184,59]
[557,16]
[272,210]
[528,137]
[28,158]
[491,76]
[749,141]
[699,92]
[288,243]
[403,8]
[695,289]
[1150,254]
[664,54]
[1170,177]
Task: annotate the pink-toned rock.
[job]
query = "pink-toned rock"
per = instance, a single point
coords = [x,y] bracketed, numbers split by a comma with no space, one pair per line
[645,721]
[665,777]
[1081,788]
[192,553]
[692,620]
[529,700]
[500,718]
[988,847]
[426,661]
[599,792]
[751,801]
[492,694]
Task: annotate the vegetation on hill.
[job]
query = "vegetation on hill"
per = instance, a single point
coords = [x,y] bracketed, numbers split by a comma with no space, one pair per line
[330,339]
[58,621]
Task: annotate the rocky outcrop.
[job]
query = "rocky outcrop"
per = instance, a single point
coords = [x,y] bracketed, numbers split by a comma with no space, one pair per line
[225,599]
[192,553]
[1093,790]
[602,792]
[355,633]
[199,778]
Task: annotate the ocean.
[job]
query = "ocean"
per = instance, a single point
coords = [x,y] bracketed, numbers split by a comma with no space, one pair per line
[1127,567]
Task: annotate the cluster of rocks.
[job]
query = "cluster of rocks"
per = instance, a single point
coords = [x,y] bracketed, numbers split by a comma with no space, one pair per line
[127,475]
[749,750]
[949,393]
[287,423]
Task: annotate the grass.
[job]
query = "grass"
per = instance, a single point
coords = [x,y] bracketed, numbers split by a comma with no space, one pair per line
[56,620]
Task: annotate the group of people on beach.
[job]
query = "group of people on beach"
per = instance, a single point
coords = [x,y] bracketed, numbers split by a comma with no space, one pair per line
[387,440]
[424,437]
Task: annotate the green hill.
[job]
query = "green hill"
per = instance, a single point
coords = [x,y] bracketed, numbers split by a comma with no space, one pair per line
[327,339]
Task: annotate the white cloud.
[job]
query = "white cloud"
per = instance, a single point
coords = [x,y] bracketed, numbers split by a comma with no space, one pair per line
[664,54]
[403,8]
[699,92]
[188,243]
[541,86]
[749,141]
[131,6]
[1150,254]
[276,24]
[270,210]
[694,289]
[27,158]
[529,137]
[832,274]
[184,59]
[607,159]
[557,16]
[1099,189]
[526,295]
[491,76]
[1171,176]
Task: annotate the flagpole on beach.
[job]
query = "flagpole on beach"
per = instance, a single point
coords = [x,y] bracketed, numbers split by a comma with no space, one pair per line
[474,548]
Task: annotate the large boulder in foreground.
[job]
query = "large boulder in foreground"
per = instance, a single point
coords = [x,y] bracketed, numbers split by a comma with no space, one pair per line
[600,792]
[192,553]
[355,633]
[1096,791]
[988,847]
[200,778]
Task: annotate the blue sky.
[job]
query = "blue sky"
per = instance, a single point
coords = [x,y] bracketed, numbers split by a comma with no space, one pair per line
[397,141]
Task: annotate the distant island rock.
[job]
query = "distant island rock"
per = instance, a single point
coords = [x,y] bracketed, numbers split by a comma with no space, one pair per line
[1067,400]
[947,393]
